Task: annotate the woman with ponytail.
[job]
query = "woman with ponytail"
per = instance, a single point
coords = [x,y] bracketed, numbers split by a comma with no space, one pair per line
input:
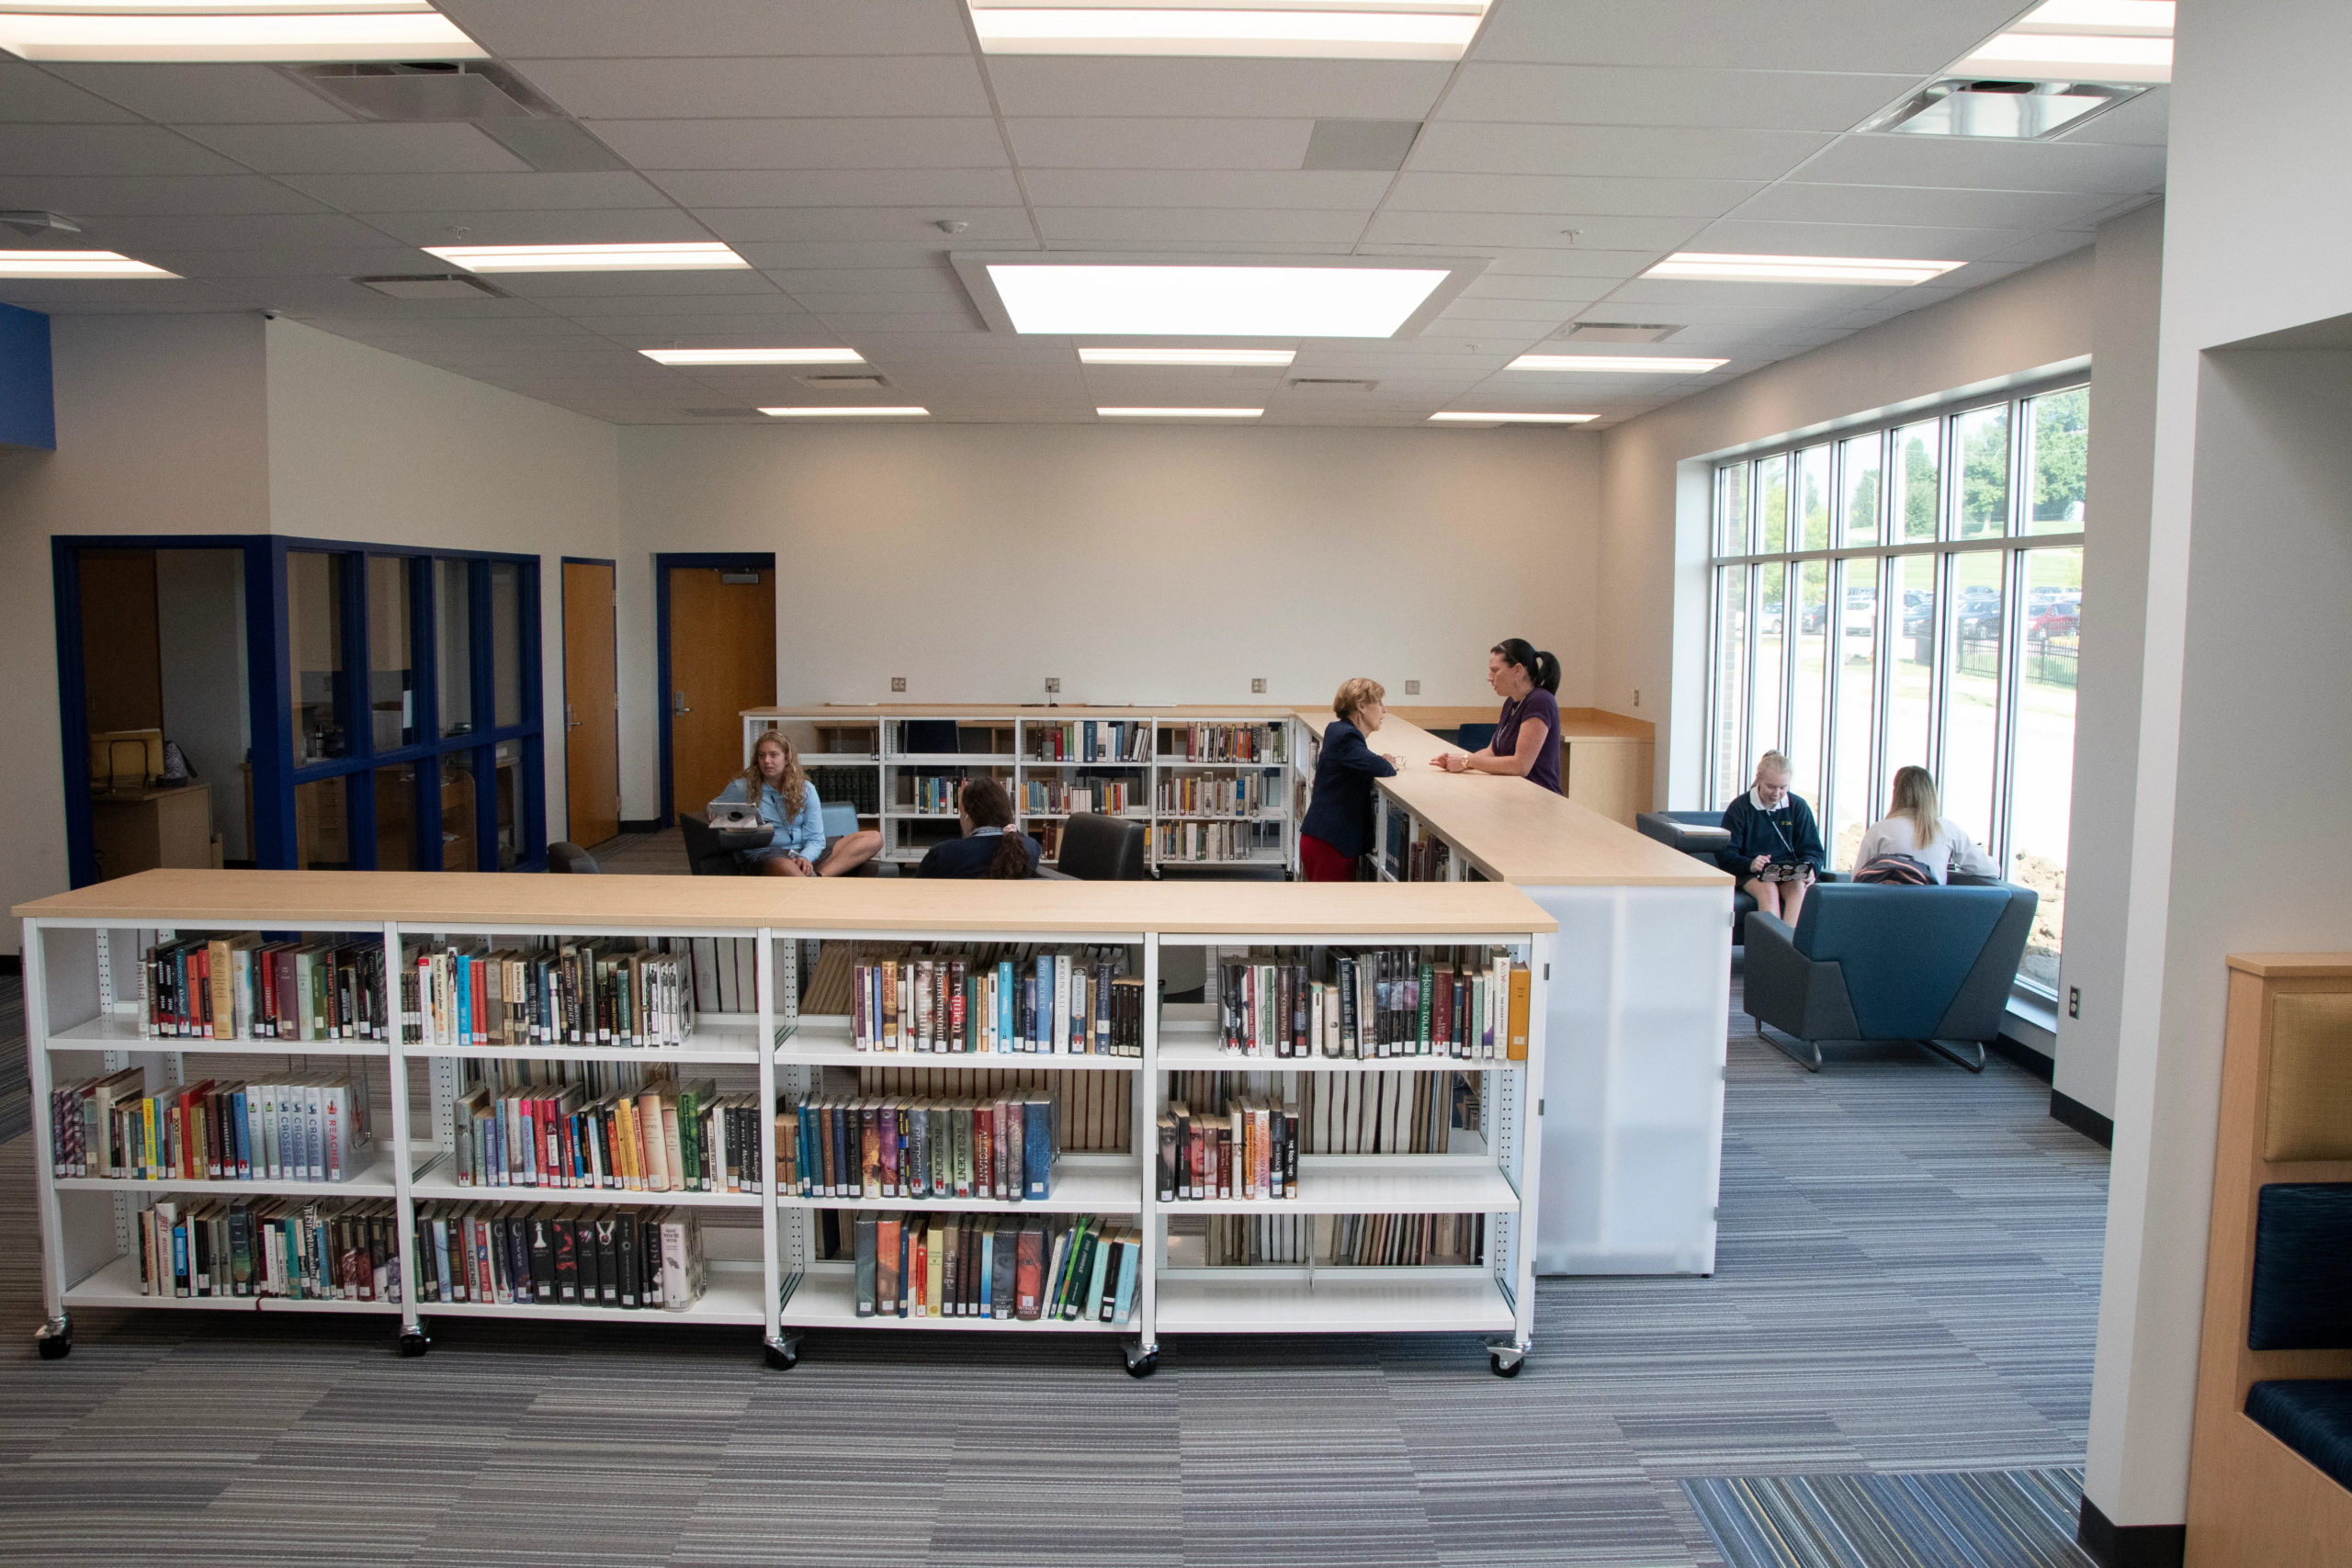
[1527,737]
[987,849]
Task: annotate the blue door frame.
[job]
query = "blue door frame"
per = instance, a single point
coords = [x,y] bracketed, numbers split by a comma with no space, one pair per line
[743,561]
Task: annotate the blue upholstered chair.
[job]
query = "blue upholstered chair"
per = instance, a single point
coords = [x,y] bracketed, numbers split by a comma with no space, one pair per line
[1869,962]
[2302,1301]
[1700,834]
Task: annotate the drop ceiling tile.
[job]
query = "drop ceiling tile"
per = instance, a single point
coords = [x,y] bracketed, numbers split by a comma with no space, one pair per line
[1185,228]
[1740,236]
[1582,95]
[478,193]
[1578,261]
[1156,143]
[1257,89]
[1197,187]
[942,189]
[277,264]
[1621,150]
[842,143]
[194,195]
[252,232]
[336,298]
[358,149]
[1794,35]
[1793,202]
[1567,197]
[1481,231]
[857,324]
[2140,123]
[204,94]
[2028,251]
[29,95]
[523,29]
[74,296]
[948,296]
[717,312]
[682,329]
[760,86]
[608,286]
[558,226]
[780,256]
[1491,284]
[1683,299]
[746,228]
[917,280]
[1955,162]
[66,151]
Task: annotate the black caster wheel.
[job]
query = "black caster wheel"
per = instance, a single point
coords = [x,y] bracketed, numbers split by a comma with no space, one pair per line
[415,1342]
[54,1347]
[1143,1365]
[1503,1369]
[782,1358]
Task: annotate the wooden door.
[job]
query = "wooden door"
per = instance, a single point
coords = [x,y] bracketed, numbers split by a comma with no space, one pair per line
[722,660]
[592,700]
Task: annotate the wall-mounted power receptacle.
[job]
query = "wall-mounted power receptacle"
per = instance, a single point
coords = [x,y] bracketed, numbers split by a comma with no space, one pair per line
[1412,688]
[1637,696]
[898,682]
[1053,682]
[2073,1002]
[1258,684]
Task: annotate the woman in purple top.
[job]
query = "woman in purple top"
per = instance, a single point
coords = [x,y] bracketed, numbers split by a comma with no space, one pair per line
[1527,737]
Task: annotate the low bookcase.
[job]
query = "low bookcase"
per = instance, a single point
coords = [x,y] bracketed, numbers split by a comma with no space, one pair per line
[774,1000]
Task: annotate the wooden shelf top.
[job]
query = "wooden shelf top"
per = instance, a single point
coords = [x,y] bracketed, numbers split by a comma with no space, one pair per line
[2293,966]
[1515,832]
[1575,724]
[850,713]
[271,900]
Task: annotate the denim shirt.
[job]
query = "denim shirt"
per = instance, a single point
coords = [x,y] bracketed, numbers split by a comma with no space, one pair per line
[801,834]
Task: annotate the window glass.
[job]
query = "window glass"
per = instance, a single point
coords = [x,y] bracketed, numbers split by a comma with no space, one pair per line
[2043,790]
[1808,693]
[1772,505]
[1981,436]
[453,604]
[1731,510]
[506,642]
[1772,639]
[321,825]
[509,768]
[2059,464]
[391,675]
[314,646]
[1731,677]
[1858,490]
[1851,806]
[1972,702]
[396,818]
[1813,499]
[460,825]
[1920,491]
[1910,711]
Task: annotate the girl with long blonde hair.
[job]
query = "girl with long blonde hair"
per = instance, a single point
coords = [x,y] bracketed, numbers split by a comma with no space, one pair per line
[779,788]
[1916,829]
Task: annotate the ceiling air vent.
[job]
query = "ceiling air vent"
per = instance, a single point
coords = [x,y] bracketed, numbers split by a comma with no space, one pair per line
[867,382]
[433,286]
[1375,146]
[2017,111]
[482,93]
[1618,332]
[1331,384]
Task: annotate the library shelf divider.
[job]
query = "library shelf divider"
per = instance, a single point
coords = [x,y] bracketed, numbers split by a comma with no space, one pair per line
[771,1259]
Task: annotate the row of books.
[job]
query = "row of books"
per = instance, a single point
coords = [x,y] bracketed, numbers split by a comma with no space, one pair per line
[1211,843]
[1224,743]
[859,787]
[1428,859]
[1349,1113]
[1057,1004]
[1093,1111]
[238,986]
[1466,1003]
[1233,1147]
[1110,796]
[310,1129]
[1001,1148]
[936,795]
[1088,741]
[624,1258]
[1338,1241]
[610,991]
[1220,795]
[301,1251]
[666,1137]
[1079,1268]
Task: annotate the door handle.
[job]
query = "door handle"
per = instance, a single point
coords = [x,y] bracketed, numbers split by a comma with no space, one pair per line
[570,717]
[678,703]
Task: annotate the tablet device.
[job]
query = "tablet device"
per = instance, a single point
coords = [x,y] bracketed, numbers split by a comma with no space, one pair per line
[729,815]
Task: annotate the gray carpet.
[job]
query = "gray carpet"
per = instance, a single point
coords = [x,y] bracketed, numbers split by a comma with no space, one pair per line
[1908,1282]
[1992,1518]
[16,1086]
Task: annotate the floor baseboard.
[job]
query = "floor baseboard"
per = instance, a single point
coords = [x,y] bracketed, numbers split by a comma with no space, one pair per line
[644,825]
[2025,1057]
[2129,1546]
[12,963]
[2098,1129]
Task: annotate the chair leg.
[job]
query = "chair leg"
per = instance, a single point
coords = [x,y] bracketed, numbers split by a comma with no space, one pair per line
[1809,1058]
[1944,1050]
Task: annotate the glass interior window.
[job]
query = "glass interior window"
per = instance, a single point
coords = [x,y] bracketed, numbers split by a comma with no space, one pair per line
[1771,642]
[509,771]
[452,602]
[322,825]
[1851,804]
[1808,693]
[1772,505]
[2042,765]
[2059,427]
[314,646]
[1731,677]
[506,643]
[396,818]
[1813,499]
[1858,490]
[460,822]
[1972,695]
[1731,510]
[1982,437]
[392,673]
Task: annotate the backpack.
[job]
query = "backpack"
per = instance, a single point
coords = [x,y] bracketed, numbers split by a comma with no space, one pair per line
[1898,870]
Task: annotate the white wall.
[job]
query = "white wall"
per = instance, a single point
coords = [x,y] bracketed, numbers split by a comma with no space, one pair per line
[1146,564]
[200,616]
[2245,723]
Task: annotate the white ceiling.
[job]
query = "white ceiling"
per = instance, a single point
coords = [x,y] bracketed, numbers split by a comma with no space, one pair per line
[826,139]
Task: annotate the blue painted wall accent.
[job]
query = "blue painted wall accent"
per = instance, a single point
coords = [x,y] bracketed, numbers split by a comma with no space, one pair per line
[28,405]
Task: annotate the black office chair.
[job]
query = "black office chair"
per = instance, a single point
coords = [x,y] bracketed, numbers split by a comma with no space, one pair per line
[567,857]
[1096,848]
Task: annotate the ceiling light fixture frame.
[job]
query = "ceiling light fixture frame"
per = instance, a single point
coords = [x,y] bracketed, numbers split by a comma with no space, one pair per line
[972,266]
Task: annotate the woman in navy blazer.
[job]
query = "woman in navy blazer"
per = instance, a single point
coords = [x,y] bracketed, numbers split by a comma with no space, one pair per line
[1338,829]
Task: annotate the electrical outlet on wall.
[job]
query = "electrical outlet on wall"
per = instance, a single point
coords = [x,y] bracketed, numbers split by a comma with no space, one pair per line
[1053,682]
[1637,696]
[2073,1002]
[1412,688]
[1258,684]
[898,682]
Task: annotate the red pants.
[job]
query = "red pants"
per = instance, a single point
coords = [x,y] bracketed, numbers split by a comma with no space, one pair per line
[1321,862]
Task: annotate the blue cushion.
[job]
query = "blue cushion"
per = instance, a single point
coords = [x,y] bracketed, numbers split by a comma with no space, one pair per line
[2303,1268]
[2311,1416]
[841,819]
[1905,951]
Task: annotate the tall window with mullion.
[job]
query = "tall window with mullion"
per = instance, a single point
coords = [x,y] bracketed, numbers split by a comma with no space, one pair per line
[1912,594]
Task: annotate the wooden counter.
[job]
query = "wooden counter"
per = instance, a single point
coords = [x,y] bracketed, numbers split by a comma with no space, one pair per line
[654,903]
[836,712]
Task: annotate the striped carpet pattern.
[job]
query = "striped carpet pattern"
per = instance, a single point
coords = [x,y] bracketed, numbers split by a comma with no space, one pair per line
[1996,1519]
[16,1085]
[1907,1282]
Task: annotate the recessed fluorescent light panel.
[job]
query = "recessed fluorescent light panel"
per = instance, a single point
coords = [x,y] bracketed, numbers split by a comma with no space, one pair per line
[835,410]
[2005,110]
[234,31]
[75,263]
[1628,364]
[1096,296]
[1324,29]
[2125,41]
[1711,267]
[1180,413]
[1463,417]
[753,356]
[1270,358]
[683,257]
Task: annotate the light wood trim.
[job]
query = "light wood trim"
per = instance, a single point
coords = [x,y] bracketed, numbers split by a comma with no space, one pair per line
[838,713]
[2251,1498]
[653,904]
[1514,833]
[2293,966]
[1575,724]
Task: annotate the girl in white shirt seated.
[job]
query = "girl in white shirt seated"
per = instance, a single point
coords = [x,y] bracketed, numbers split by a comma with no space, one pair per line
[1916,829]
